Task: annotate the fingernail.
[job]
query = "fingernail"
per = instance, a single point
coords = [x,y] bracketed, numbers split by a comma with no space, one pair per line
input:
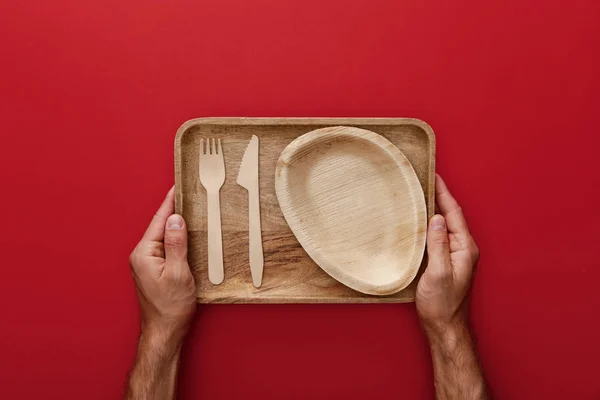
[175,221]
[438,223]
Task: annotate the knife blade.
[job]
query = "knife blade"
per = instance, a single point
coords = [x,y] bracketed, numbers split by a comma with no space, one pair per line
[248,179]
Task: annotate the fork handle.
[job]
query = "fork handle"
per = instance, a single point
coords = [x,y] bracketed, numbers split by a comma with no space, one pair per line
[215,239]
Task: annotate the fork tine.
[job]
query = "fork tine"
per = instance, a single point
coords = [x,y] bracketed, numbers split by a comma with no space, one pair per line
[201,146]
[213,149]
[219,148]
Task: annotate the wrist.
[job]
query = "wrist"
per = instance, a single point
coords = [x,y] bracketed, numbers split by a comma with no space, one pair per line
[448,336]
[160,343]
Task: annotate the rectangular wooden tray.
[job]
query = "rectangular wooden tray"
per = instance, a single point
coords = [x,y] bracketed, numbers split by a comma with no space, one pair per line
[290,275]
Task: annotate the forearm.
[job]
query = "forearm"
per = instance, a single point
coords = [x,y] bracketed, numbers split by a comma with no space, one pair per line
[457,374]
[154,373]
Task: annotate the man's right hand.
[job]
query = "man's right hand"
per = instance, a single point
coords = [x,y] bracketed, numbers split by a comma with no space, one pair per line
[442,305]
[453,254]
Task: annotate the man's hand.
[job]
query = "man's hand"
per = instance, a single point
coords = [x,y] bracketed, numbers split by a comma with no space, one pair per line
[443,289]
[442,303]
[166,293]
[165,285]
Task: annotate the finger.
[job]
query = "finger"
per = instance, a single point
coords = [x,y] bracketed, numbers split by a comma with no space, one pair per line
[175,241]
[438,247]
[449,207]
[156,229]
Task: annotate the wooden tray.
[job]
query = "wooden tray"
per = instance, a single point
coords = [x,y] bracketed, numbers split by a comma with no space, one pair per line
[290,275]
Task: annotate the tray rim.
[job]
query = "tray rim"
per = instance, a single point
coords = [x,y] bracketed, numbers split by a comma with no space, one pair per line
[257,121]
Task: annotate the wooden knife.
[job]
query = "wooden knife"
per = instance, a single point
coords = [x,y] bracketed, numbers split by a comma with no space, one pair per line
[248,178]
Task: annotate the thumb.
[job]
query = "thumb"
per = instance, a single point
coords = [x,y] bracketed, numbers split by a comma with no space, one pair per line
[175,239]
[438,248]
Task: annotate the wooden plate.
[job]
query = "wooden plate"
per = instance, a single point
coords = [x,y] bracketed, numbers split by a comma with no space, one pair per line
[355,204]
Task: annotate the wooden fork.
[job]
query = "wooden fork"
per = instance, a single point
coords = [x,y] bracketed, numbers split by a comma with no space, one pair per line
[212,177]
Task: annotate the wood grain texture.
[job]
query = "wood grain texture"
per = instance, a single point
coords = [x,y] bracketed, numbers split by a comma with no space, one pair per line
[355,204]
[290,275]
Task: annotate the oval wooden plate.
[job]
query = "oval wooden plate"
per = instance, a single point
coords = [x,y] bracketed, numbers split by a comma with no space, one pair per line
[356,206]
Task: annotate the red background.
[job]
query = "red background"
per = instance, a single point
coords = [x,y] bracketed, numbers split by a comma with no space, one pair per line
[91,94]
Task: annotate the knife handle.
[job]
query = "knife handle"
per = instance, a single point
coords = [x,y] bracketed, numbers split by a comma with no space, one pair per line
[254,232]
[215,240]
